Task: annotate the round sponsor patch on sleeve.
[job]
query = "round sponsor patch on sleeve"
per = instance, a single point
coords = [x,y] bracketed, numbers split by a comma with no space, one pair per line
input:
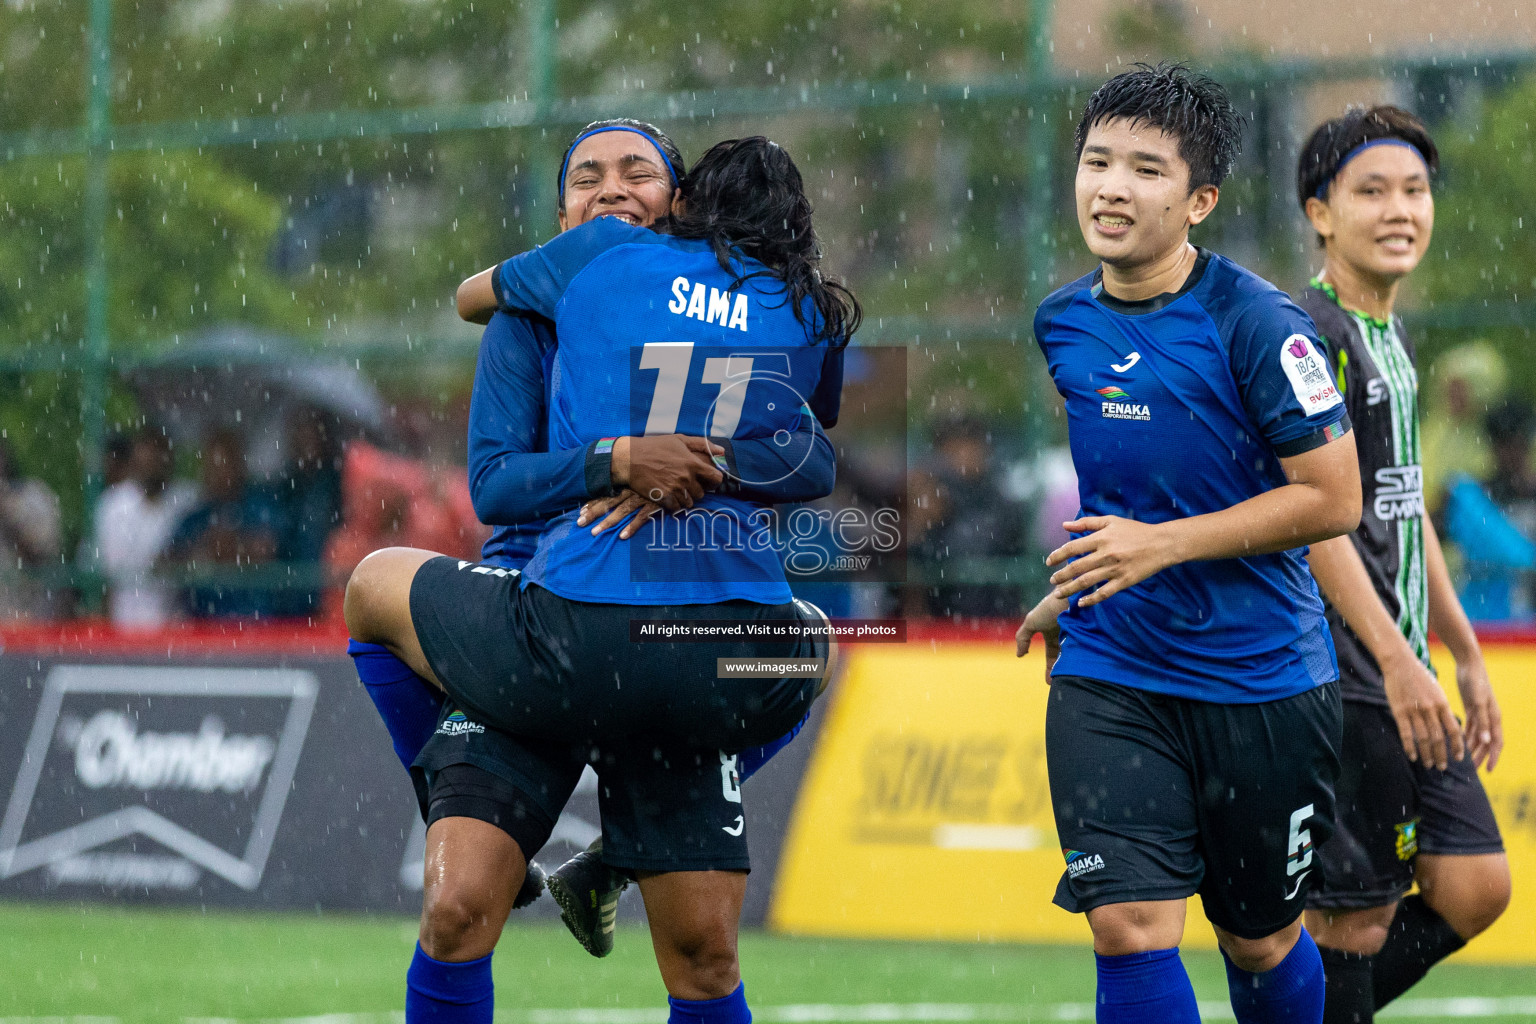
[1307,371]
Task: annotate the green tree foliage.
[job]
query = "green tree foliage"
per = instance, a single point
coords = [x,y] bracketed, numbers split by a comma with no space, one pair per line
[1484,253]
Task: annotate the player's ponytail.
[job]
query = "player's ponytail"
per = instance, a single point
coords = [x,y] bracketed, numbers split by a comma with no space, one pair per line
[746,198]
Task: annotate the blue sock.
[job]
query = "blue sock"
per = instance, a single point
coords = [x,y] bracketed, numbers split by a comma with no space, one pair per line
[731,1009]
[408,703]
[1145,986]
[749,761]
[1292,992]
[438,992]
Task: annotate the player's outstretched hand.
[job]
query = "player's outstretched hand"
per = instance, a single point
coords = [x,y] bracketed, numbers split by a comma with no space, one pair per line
[1042,619]
[1485,722]
[1425,724]
[1117,553]
[673,470]
[613,510]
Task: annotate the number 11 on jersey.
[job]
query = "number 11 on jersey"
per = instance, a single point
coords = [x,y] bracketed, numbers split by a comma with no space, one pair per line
[671,360]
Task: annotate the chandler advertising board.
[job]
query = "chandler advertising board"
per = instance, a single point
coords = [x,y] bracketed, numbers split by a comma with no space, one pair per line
[243,772]
[925,812]
[246,781]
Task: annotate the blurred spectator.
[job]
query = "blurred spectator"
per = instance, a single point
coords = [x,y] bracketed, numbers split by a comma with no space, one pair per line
[29,540]
[1057,496]
[231,526]
[115,459]
[1511,427]
[1495,556]
[962,512]
[1466,383]
[134,521]
[306,501]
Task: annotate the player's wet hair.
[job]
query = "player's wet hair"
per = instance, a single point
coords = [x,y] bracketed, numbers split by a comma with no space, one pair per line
[1336,142]
[1192,108]
[746,198]
[669,150]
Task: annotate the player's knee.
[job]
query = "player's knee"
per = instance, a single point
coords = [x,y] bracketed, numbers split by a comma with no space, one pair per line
[1480,903]
[1362,931]
[707,956]
[1124,928]
[1259,956]
[356,601]
[455,925]
[1366,939]
[361,603]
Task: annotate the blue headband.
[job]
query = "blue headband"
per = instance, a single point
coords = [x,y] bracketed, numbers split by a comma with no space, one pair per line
[1322,190]
[584,136]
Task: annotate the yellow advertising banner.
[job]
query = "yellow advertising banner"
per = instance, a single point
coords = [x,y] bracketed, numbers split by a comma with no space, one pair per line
[926,813]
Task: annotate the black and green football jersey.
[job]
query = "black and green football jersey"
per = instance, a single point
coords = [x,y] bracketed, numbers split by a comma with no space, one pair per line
[1374,363]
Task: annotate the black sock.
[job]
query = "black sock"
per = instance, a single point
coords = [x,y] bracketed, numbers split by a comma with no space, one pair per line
[1419,939]
[1347,998]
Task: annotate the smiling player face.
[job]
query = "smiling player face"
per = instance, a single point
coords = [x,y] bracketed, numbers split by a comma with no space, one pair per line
[616,174]
[1134,205]
[1379,213]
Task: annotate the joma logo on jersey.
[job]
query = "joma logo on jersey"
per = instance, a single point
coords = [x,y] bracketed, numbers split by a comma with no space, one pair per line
[1118,405]
[1080,863]
[1399,493]
[711,305]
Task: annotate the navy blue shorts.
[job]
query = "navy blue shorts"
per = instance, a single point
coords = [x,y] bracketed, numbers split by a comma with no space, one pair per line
[1159,798]
[540,686]
[535,664]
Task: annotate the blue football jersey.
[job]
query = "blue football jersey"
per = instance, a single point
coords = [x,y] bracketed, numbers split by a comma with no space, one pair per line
[653,339]
[1179,406]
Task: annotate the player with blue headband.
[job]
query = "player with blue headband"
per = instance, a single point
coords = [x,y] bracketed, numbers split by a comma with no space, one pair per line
[619,167]
[1321,192]
[627,171]
[671,159]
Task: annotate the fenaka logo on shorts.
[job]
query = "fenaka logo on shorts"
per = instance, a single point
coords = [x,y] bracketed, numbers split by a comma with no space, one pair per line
[199,760]
[1308,374]
[1118,405]
[1399,493]
[1080,863]
[459,724]
[1407,839]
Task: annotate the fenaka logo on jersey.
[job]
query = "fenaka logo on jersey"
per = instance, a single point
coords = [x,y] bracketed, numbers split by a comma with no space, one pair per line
[1080,863]
[1308,374]
[1399,493]
[1118,405]
[198,760]
[459,724]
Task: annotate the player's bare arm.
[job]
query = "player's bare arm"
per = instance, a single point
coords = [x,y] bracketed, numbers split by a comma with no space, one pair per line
[1321,500]
[1425,722]
[1485,723]
[476,298]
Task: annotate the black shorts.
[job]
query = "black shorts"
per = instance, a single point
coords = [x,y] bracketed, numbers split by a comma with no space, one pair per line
[519,784]
[1159,798]
[663,808]
[538,665]
[1391,809]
